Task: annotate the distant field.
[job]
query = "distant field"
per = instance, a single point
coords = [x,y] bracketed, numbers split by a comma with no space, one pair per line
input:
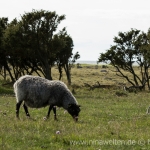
[110,119]
[92,73]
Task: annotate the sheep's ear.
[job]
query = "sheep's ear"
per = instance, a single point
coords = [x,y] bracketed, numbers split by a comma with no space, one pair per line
[79,105]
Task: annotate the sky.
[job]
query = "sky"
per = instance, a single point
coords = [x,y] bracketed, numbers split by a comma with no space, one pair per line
[92,24]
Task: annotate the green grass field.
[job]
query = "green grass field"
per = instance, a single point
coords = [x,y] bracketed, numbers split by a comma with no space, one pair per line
[106,122]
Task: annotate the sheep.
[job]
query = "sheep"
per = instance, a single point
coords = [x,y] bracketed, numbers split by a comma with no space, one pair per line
[37,92]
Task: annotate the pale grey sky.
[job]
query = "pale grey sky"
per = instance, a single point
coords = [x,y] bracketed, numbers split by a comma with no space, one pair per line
[92,24]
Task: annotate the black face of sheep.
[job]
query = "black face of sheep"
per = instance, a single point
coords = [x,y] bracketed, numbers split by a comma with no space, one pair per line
[74,110]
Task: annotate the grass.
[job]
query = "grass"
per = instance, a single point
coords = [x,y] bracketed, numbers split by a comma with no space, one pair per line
[109,119]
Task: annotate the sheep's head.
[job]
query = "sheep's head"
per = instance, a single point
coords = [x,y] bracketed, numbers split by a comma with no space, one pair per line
[74,110]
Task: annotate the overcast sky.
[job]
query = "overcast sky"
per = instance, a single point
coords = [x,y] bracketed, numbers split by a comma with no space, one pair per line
[92,24]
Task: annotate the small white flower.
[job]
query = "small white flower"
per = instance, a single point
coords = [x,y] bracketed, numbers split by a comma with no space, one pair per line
[44,118]
[57,132]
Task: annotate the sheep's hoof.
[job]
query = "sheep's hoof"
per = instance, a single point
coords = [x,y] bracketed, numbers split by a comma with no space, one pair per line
[55,119]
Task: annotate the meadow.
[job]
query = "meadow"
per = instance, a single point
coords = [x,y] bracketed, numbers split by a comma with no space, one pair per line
[109,119]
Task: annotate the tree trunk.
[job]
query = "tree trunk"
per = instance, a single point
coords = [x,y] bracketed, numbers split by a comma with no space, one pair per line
[60,70]
[8,69]
[47,70]
[46,67]
[68,74]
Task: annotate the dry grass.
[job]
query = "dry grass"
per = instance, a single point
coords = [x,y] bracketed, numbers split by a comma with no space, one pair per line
[92,73]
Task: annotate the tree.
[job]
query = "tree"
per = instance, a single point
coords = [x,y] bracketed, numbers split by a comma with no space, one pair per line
[38,28]
[129,48]
[65,58]
[3,51]
[32,46]
[2,56]
[15,45]
[68,65]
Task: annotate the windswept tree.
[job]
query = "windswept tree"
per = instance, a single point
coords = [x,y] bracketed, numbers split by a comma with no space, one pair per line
[15,47]
[21,57]
[29,42]
[32,45]
[3,25]
[38,29]
[65,57]
[4,66]
[129,48]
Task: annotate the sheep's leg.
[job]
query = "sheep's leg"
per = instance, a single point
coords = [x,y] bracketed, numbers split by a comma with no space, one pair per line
[26,110]
[54,110]
[17,108]
[49,110]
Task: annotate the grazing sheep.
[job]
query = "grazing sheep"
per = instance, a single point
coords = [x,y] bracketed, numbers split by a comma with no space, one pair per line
[37,92]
